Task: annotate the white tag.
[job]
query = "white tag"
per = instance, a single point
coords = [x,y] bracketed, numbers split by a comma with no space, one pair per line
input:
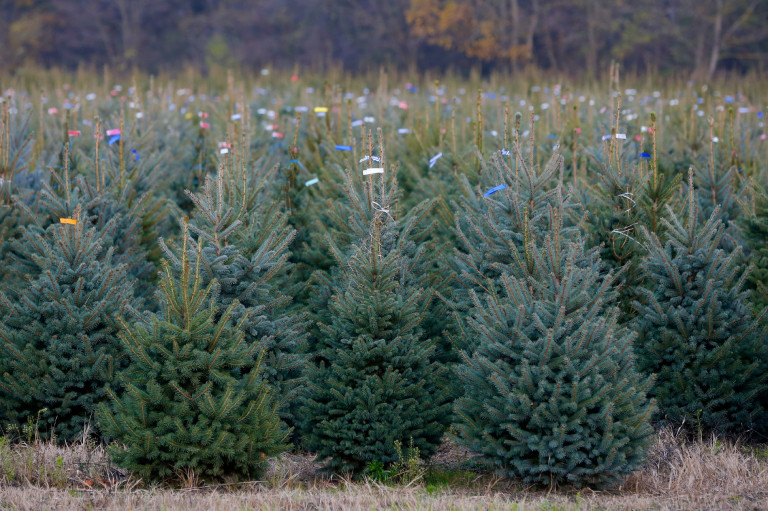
[311,182]
[375,170]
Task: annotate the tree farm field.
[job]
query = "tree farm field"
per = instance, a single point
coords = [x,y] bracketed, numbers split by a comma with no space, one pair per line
[382,291]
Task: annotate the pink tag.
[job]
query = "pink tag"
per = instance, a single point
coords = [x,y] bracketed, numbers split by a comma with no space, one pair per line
[112,133]
[53,111]
[277,134]
[294,78]
[403,105]
[73,133]
[204,125]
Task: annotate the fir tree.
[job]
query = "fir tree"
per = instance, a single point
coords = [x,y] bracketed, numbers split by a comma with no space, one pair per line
[245,249]
[551,394]
[193,399]
[491,230]
[375,382]
[754,227]
[58,336]
[696,331]
[622,196]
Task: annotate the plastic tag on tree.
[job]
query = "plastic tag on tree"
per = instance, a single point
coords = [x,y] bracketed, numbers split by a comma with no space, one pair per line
[494,190]
[374,170]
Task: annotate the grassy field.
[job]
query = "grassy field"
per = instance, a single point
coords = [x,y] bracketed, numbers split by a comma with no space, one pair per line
[680,474]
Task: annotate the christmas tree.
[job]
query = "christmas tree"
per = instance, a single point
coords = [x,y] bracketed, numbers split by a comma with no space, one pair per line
[623,194]
[697,334]
[58,335]
[754,228]
[245,249]
[193,398]
[551,393]
[375,382]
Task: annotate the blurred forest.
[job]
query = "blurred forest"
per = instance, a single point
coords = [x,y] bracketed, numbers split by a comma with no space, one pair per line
[695,37]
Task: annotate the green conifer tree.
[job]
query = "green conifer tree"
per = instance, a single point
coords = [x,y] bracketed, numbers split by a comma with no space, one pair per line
[375,381]
[58,335]
[193,397]
[697,334]
[551,394]
[622,195]
[245,250]
[754,227]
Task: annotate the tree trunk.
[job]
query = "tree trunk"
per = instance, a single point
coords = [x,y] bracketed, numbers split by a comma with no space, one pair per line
[515,31]
[716,40]
[533,25]
[591,40]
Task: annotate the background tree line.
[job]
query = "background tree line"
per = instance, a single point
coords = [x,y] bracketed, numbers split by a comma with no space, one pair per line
[698,37]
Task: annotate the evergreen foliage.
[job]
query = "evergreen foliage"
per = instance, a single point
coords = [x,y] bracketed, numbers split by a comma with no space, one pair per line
[697,334]
[194,399]
[245,250]
[754,227]
[551,393]
[491,231]
[58,335]
[622,197]
[375,381]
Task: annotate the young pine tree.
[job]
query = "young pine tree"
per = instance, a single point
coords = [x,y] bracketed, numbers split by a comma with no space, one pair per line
[754,228]
[193,397]
[245,250]
[376,382]
[551,393]
[58,335]
[622,195]
[697,334]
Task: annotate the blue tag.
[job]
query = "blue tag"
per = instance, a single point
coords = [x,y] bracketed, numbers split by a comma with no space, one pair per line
[135,152]
[114,139]
[645,155]
[494,190]
[343,148]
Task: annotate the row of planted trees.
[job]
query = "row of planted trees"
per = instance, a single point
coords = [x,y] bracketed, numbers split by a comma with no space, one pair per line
[547,327]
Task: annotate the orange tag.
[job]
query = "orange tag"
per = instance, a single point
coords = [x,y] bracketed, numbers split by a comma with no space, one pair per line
[70,221]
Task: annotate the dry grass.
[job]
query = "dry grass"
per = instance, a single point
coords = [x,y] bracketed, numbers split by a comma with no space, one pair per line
[680,474]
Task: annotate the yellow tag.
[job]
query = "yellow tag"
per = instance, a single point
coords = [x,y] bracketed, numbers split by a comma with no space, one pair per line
[188,115]
[69,221]
[321,109]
